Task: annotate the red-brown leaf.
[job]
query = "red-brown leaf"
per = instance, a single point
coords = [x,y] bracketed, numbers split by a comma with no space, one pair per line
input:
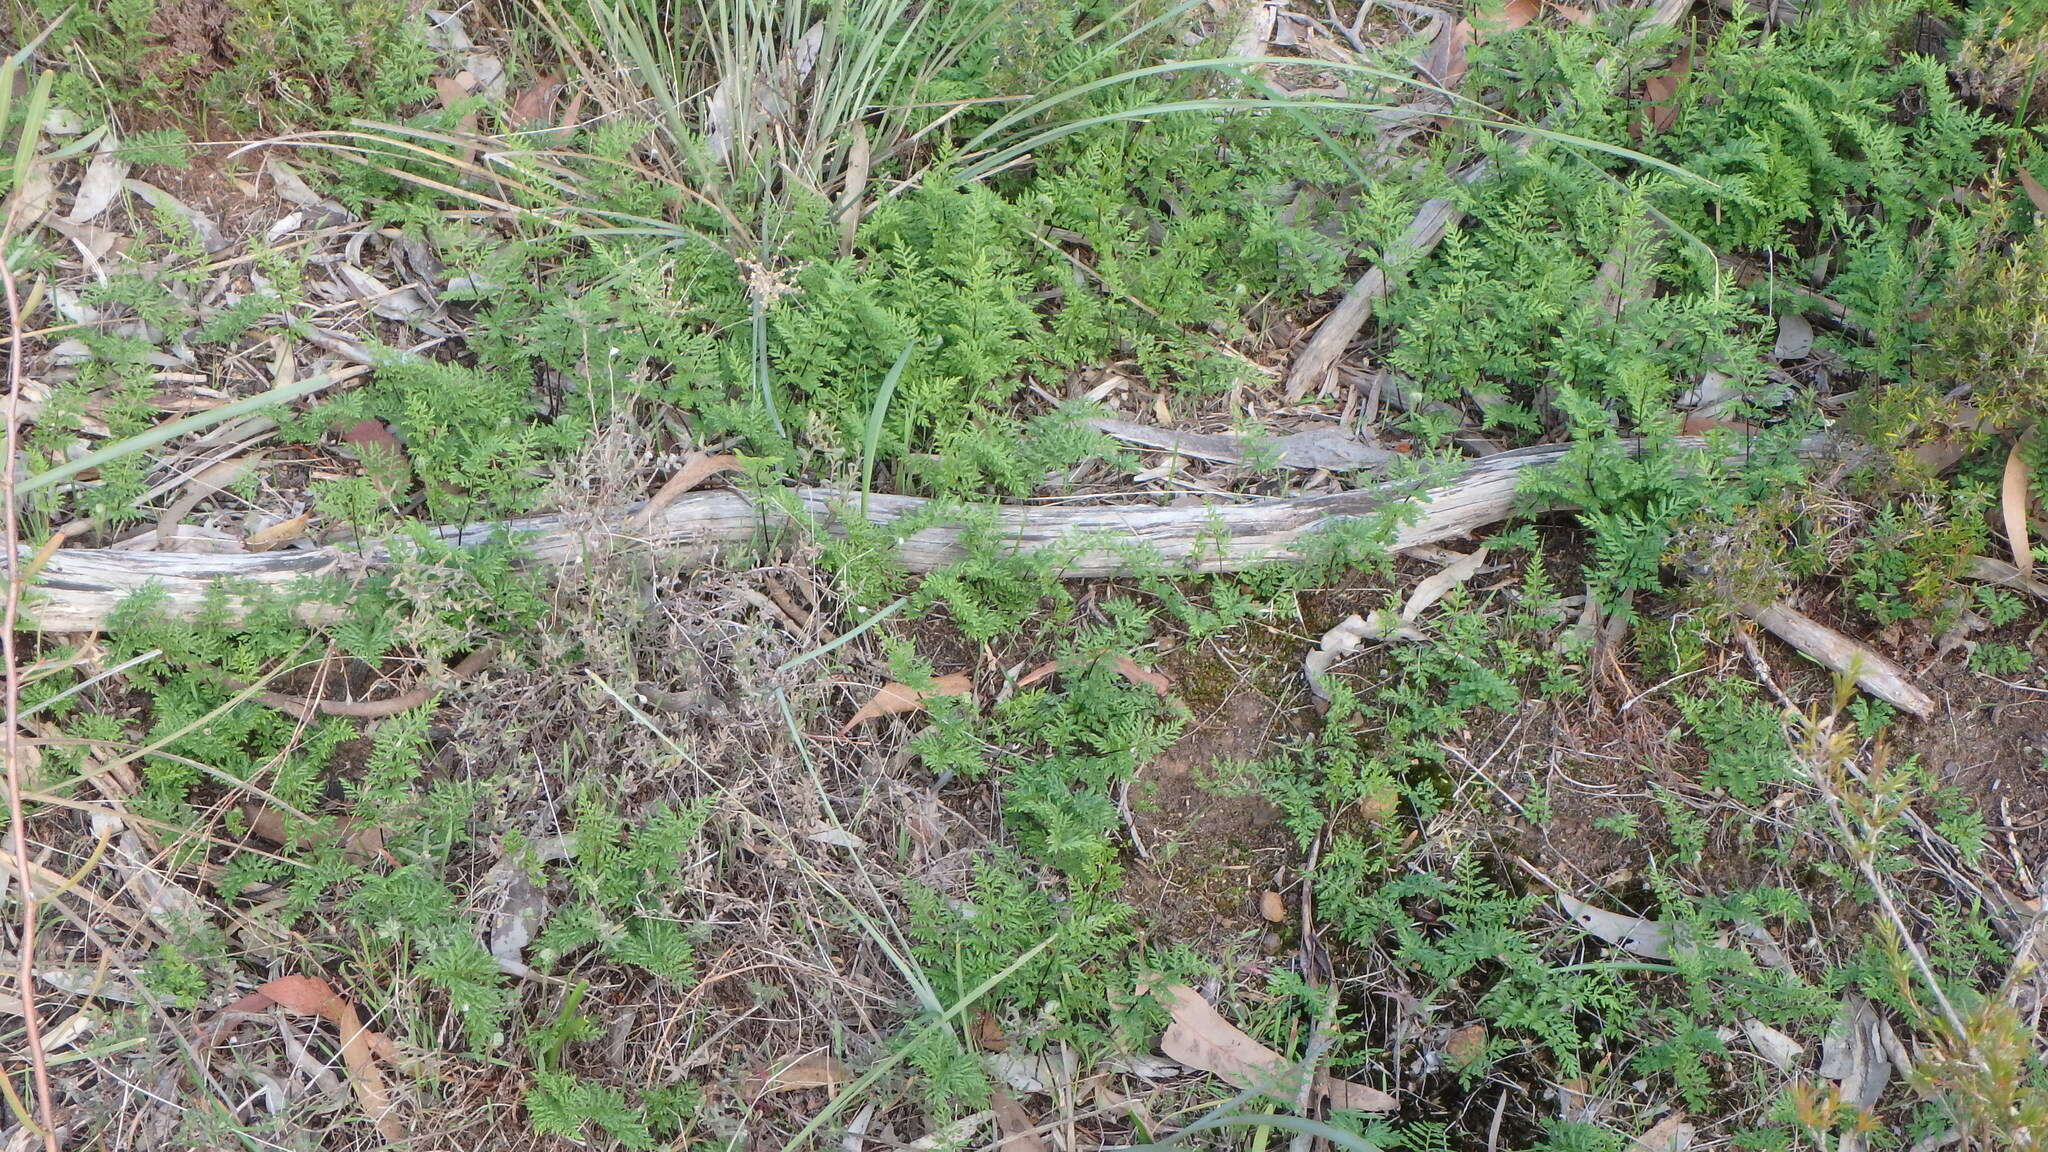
[532,107]
[1514,14]
[1129,670]
[815,1070]
[893,698]
[1200,1037]
[1445,61]
[1019,1131]
[2012,492]
[360,1047]
[697,468]
[1660,93]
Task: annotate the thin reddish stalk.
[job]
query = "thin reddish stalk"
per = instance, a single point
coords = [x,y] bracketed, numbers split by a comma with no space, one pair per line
[10,743]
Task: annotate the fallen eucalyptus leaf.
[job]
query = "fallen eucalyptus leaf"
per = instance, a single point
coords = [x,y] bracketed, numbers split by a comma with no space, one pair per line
[62,121]
[1025,1073]
[813,1070]
[360,1047]
[292,189]
[522,902]
[1782,1051]
[1017,1130]
[277,535]
[390,303]
[1650,939]
[893,698]
[2013,501]
[1200,1037]
[204,228]
[1671,1134]
[101,185]
[838,838]
[696,468]
[1852,1054]
[1130,670]
[1795,337]
[446,33]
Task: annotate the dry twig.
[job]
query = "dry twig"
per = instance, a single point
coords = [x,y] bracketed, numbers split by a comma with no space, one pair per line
[17,824]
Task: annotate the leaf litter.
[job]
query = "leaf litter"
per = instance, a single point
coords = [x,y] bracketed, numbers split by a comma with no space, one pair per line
[1199,1037]
[363,1051]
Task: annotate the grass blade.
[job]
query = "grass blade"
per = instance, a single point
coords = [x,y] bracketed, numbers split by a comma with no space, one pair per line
[877,415]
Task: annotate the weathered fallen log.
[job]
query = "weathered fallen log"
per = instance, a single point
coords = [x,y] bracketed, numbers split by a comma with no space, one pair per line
[78,587]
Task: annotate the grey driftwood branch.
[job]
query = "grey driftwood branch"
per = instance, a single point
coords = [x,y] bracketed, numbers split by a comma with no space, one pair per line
[79,587]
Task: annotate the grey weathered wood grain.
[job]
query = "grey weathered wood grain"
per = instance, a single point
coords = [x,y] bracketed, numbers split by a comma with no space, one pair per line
[78,587]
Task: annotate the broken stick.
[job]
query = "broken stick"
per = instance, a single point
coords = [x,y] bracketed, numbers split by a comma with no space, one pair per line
[1845,657]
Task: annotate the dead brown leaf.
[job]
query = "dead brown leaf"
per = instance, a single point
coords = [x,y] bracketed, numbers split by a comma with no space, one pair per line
[893,698]
[452,92]
[279,534]
[2012,492]
[1200,1037]
[988,1034]
[1019,1131]
[360,1047]
[697,468]
[1698,425]
[1650,939]
[374,435]
[1660,96]
[1465,1046]
[204,228]
[533,107]
[2035,193]
[1126,667]
[389,467]
[570,115]
[1671,1134]
[361,843]
[1445,61]
[1129,670]
[814,1070]
[1512,15]
[101,185]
